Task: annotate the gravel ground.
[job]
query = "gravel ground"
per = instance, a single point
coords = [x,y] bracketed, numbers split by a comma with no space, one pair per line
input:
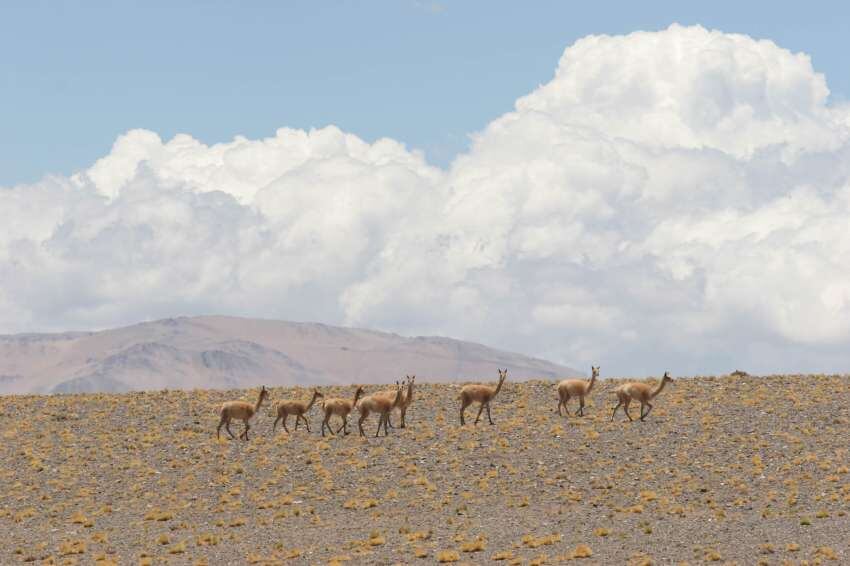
[725,470]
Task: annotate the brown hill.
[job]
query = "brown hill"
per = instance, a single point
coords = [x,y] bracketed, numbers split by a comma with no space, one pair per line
[226,352]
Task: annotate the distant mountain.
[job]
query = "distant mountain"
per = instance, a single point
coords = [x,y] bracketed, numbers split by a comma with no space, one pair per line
[228,352]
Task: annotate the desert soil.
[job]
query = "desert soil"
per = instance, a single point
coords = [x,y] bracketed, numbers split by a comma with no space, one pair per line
[742,470]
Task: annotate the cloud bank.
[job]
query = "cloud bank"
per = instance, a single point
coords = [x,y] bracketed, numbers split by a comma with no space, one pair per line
[671,200]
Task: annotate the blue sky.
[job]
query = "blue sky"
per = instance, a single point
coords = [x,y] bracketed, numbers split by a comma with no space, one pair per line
[76,74]
[663,195]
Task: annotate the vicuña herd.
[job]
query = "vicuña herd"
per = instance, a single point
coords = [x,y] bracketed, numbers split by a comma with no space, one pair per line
[399,398]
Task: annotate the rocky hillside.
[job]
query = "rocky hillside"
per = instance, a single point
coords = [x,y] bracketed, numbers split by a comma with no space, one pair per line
[724,471]
[226,352]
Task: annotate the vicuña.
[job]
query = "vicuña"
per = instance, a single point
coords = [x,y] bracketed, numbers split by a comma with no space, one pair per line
[239,410]
[570,388]
[341,408]
[481,394]
[641,392]
[297,408]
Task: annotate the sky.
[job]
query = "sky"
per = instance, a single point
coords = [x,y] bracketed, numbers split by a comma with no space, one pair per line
[643,190]
[76,74]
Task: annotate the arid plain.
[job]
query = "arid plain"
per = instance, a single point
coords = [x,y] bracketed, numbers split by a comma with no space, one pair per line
[743,470]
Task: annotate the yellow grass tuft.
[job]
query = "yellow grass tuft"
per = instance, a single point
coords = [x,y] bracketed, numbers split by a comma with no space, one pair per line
[447,556]
[582,551]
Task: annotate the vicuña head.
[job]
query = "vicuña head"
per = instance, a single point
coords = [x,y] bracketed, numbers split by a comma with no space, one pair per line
[241,410]
[641,392]
[341,408]
[297,408]
[570,388]
[481,394]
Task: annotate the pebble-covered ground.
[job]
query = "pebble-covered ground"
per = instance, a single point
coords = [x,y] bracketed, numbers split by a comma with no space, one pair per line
[743,470]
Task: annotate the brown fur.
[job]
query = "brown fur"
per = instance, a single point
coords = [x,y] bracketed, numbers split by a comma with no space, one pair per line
[297,408]
[569,388]
[340,407]
[240,410]
[381,405]
[481,394]
[641,392]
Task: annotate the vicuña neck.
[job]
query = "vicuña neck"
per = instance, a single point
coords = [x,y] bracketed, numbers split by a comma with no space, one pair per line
[498,387]
[659,388]
[592,381]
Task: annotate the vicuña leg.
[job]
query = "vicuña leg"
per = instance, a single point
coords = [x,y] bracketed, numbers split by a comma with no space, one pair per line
[488,413]
[478,416]
[580,411]
[626,409]
[360,422]
[564,401]
[463,405]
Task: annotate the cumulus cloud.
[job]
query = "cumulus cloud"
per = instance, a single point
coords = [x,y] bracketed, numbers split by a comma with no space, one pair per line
[669,200]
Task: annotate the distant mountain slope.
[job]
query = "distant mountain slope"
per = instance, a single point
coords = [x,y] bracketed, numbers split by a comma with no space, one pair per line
[228,352]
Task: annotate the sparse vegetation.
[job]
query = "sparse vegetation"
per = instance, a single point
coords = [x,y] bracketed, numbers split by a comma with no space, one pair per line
[141,479]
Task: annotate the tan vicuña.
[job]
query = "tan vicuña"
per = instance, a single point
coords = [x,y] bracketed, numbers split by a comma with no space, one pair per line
[641,392]
[297,408]
[240,410]
[481,394]
[406,400]
[341,408]
[378,404]
[569,388]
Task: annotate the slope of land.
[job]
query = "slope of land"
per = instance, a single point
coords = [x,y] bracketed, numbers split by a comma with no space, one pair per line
[218,352]
[727,470]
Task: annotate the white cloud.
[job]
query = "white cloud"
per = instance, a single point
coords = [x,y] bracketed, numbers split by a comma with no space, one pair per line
[672,200]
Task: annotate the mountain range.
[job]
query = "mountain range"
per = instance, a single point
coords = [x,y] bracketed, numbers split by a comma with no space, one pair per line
[219,352]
